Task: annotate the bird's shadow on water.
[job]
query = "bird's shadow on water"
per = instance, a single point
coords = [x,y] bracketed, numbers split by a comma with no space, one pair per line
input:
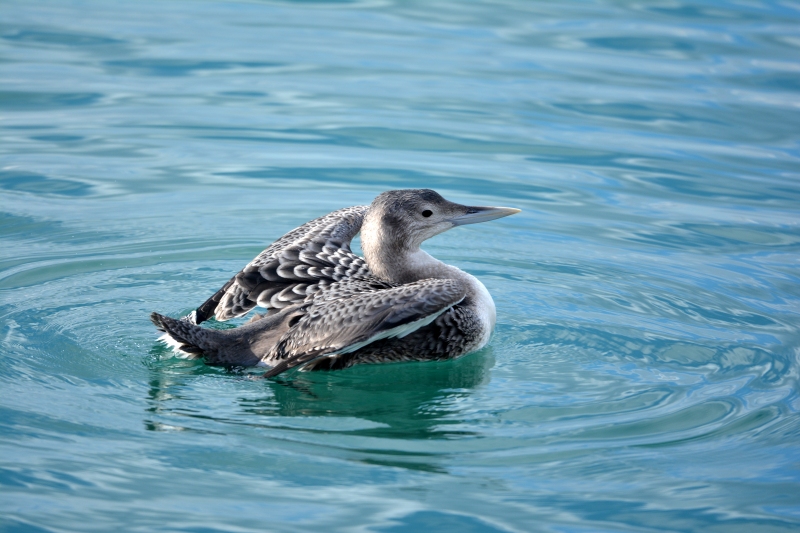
[419,400]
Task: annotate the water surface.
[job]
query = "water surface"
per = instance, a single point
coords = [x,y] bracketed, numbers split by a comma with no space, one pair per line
[643,375]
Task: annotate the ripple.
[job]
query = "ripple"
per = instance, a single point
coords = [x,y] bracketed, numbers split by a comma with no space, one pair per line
[35,183]
[58,38]
[43,101]
[644,369]
[179,67]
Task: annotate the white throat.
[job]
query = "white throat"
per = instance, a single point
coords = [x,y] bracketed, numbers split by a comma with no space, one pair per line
[402,265]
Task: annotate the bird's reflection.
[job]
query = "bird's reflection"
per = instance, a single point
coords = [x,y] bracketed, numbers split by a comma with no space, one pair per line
[407,400]
[402,400]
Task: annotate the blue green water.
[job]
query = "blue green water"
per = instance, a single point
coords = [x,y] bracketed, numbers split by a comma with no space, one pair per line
[643,375]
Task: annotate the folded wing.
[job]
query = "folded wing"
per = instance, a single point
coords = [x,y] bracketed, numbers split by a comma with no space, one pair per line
[353,319]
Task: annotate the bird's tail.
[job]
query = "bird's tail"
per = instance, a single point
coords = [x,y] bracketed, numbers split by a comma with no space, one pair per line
[182,335]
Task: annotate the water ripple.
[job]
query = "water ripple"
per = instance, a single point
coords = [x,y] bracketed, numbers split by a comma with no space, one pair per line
[645,369]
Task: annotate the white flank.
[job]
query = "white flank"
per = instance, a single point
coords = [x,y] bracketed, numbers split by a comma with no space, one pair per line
[399,332]
[487,313]
[191,317]
[167,339]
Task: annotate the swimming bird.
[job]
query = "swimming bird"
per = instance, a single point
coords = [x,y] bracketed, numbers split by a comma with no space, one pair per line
[327,308]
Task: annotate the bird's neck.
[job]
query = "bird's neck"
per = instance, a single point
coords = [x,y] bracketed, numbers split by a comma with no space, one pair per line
[400,265]
[409,265]
[394,260]
[412,266]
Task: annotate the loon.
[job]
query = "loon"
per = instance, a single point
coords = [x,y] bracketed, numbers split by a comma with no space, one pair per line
[327,308]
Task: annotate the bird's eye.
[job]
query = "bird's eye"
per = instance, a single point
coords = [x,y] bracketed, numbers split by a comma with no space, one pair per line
[427,213]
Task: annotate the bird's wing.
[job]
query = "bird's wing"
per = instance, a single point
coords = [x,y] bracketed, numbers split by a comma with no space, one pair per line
[345,324]
[295,266]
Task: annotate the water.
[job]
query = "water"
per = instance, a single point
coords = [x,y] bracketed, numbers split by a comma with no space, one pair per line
[643,375]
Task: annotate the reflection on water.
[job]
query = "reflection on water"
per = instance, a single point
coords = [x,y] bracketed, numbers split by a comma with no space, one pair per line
[362,413]
[401,401]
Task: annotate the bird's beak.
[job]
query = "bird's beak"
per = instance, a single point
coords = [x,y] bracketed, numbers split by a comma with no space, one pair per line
[482,214]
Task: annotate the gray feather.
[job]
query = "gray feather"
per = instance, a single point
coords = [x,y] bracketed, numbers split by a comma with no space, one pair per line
[241,346]
[356,317]
[292,267]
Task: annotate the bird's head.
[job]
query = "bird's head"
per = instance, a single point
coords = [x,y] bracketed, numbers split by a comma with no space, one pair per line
[403,219]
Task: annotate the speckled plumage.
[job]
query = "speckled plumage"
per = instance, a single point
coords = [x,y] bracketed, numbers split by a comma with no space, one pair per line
[298,264]
[328,308]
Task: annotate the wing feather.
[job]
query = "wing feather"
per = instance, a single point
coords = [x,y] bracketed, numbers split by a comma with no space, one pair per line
[292,268]
[346,318]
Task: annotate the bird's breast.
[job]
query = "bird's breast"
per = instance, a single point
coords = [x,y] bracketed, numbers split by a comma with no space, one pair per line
[484,309]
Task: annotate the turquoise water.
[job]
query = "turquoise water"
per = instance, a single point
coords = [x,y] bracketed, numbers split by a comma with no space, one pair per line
[644,372]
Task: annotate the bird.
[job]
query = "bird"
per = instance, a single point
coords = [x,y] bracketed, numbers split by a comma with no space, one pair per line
[329,309]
